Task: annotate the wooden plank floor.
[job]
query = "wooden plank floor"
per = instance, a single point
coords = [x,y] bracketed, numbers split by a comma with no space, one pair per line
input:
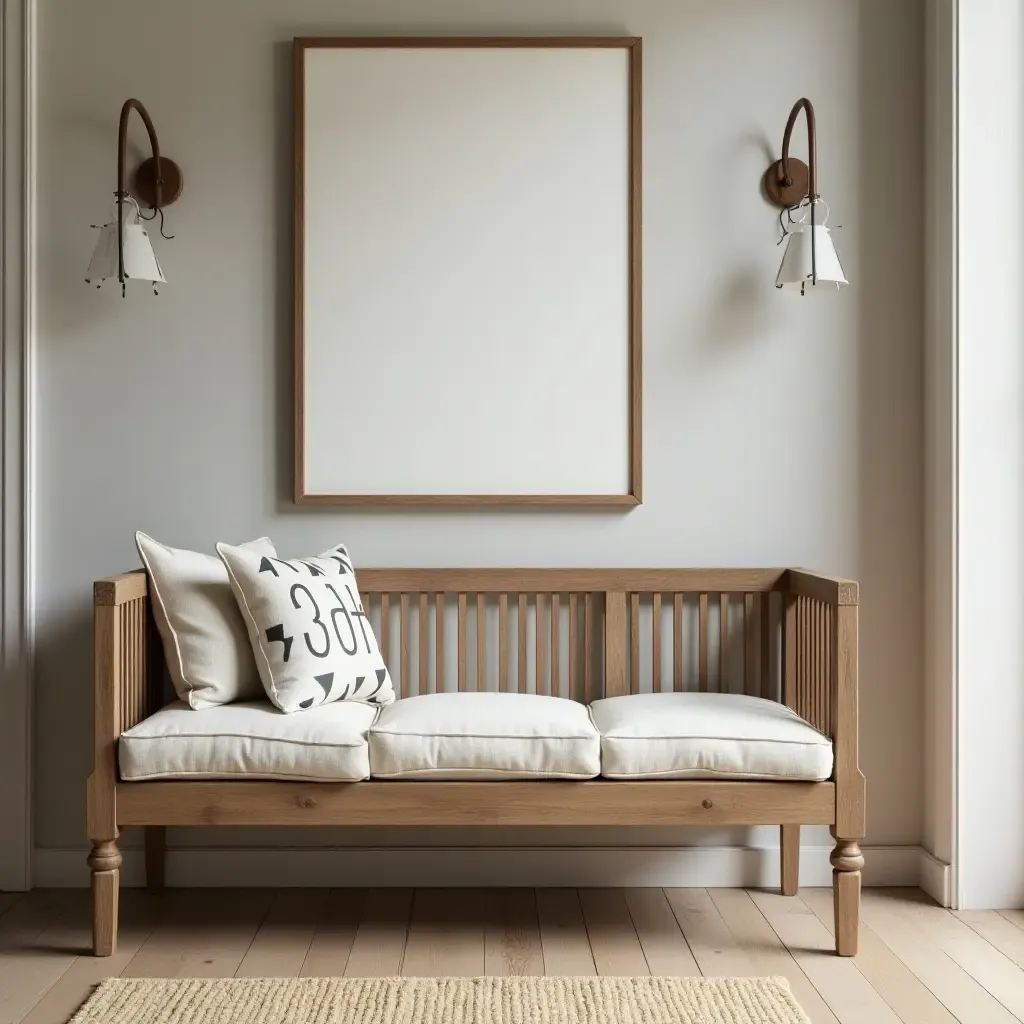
[918,964]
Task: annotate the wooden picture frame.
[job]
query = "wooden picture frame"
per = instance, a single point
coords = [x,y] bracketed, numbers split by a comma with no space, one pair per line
[544,420]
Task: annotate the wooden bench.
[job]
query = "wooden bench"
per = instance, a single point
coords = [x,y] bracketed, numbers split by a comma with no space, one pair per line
[790,636]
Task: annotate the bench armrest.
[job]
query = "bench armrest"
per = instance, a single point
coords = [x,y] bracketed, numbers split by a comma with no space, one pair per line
[833,590]
[126,653]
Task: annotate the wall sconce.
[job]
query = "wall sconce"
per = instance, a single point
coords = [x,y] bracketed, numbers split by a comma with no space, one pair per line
[124,250]
[810,258]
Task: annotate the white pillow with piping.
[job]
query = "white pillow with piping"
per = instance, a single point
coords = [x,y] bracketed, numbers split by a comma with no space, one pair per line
[206,645]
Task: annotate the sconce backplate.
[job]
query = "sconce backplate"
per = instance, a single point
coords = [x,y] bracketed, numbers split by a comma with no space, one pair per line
[144,188]
[785,195]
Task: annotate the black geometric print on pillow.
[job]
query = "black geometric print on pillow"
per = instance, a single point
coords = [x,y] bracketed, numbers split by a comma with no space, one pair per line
[266,565]
[359,682]
[382,674]
[343,560]
[325,681]
[314,570]
[276,635]
[306,703]
[344,694]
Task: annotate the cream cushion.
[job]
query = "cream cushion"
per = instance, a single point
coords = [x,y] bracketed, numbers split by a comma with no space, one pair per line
[484,736]
[206,647]
[706,736]
[250,740]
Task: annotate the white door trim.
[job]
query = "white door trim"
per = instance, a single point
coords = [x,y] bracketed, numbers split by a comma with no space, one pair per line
[940,590]
[17,185]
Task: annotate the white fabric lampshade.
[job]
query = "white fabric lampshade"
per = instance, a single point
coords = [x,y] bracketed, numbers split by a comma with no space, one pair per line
[805,265]
[140,262]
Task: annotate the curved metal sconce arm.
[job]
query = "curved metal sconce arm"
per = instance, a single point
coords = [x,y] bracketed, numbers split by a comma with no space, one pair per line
[789,181]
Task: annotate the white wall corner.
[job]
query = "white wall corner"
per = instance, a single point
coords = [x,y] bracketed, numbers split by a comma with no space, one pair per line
[17,204]
[685,867]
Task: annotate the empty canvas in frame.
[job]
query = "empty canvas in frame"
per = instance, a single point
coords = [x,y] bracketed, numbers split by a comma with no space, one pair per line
[467,271]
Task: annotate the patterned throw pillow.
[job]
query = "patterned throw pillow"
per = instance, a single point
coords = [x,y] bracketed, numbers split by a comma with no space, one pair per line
[312,640]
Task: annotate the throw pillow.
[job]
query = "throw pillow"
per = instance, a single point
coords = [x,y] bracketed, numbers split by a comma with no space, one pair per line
[206,645]
[312,640]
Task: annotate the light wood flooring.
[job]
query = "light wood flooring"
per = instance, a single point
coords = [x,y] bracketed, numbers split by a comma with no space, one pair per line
[918,964]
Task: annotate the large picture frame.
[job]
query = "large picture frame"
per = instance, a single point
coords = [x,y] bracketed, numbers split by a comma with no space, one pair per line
[468,271]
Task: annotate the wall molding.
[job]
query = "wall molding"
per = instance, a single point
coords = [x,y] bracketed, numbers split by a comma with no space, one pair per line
[17,206]
[687,867]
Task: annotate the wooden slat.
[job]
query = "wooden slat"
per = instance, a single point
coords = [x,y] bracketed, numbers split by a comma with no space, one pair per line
[385,627]
[765,628]
[713,945]
[574,686]
[749,673]
[589,693]
[512,943]
[481,642]
[724,654]
[921,951]
[540,683]
[440,682]
[563,934]
[503,642]
[661,939]
[556,647]
[844,988]
[902,990]
[201,933]
[656,643]
[284,938]
[424,646]
[789,651]
[521,628]
[462,643]
[615,644]
[335,934]
[446,935]
[634,643]
[678,681]
[613,939]
[753,933]
[702,642]
[380,940]
[403,628]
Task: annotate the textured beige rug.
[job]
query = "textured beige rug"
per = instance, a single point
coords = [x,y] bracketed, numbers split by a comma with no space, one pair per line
[442,1001]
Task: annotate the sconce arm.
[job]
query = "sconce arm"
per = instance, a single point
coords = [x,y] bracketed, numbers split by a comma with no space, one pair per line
[812,146]
[122,146]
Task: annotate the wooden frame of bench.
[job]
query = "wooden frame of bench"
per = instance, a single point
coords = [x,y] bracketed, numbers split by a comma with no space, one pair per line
[799,647]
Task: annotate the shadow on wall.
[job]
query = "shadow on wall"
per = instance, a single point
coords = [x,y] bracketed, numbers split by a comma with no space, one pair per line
[890,385]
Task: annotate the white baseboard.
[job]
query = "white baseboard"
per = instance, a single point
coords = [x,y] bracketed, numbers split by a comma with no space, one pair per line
[692,866]
[936,879]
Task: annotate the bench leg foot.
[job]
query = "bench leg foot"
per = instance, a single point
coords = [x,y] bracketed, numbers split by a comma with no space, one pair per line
[105,865]
[155,857]
[789,846]
[847,862]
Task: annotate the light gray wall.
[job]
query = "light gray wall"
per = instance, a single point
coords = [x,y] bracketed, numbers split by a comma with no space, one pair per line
[777,430]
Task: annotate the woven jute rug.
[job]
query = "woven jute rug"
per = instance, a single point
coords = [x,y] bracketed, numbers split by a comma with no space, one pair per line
[489,1000]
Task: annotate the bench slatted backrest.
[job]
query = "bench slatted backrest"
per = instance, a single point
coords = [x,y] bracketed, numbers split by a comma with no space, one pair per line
[578,633]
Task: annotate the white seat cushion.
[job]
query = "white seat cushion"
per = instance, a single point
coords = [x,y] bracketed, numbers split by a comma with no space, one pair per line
[251,740]
[484,736]
[707,736]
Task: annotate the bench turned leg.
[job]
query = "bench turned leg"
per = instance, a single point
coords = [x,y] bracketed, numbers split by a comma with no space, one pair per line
[847,863]
[789,847]
[156,840]
[105,865]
